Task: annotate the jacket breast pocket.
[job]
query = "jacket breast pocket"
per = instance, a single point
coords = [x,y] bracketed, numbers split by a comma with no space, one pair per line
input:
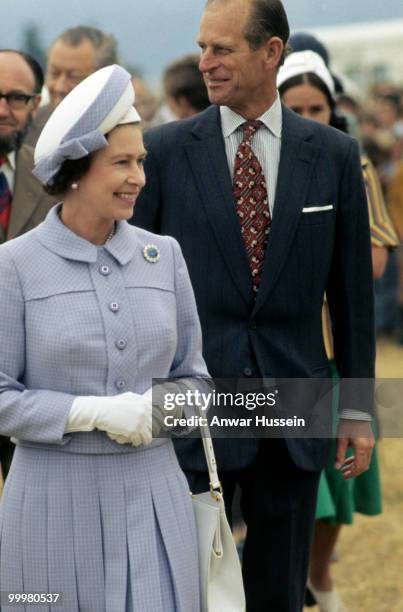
[317,214]
[64,338]
[153,306]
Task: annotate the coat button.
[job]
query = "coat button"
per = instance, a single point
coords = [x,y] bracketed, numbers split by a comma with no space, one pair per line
[121,344]
[114,306]
[104,270]
[120,383]
[253,325]
[247,372]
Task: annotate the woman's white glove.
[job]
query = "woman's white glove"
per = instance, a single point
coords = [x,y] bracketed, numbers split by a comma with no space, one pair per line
[126,418]
[157,411]
[146,437]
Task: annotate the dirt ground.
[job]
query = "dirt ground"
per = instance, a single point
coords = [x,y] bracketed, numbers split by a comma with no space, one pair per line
[369,569]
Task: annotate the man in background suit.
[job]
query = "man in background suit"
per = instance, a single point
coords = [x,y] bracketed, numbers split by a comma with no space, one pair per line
[23,203]
[74,55]
[261,255]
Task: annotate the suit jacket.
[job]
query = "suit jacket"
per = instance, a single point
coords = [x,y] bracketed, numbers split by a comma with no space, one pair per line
[189,195]
[61,337]
[38,124]
[30,203]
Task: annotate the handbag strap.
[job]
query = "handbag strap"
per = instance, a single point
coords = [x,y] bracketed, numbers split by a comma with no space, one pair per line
[215,484]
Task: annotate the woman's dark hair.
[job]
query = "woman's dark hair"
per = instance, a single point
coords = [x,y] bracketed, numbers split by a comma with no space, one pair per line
[336,120]
[70,172]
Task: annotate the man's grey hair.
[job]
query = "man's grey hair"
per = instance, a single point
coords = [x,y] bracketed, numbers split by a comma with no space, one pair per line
[105,45]
[267,18]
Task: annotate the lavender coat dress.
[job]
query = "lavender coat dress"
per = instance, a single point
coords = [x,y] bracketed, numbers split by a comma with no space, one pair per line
[110,526]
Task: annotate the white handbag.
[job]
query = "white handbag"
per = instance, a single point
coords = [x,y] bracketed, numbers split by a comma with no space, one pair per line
[221,584]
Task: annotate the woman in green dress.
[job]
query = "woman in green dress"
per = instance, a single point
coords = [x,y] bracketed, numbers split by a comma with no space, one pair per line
[306,86]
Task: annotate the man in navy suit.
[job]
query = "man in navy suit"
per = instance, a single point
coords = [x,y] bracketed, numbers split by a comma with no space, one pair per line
[260,302]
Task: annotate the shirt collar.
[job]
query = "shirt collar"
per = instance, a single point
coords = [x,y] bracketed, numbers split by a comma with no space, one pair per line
[272,119]
[10,160]
[58,238]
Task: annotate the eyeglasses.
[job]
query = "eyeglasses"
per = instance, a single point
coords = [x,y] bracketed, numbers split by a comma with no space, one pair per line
[17,101]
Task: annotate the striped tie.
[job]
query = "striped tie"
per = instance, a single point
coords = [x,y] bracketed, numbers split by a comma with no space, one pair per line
[5,198]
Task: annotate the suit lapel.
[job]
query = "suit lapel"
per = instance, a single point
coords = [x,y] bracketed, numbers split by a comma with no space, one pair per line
[26,194]
[296,166]
[208,162]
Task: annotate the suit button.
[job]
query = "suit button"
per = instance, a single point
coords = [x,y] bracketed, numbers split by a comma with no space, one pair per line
[120,383]
[104,270]
[247,372]
[114,306]
[253,325]
[121,344]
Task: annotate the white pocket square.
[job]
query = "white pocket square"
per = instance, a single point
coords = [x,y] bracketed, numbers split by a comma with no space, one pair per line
[311,209]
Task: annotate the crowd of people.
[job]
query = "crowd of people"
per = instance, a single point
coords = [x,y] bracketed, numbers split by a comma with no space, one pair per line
[244,239]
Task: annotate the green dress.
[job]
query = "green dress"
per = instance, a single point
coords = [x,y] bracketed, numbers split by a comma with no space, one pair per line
[338,499]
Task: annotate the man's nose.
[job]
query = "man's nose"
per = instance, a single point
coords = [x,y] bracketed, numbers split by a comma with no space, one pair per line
[207,61]
[4,108]
[60,86]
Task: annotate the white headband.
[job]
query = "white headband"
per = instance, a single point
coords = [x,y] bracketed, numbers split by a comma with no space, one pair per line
[302,62]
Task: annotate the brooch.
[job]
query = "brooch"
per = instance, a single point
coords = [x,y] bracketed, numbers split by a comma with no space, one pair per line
[151,253]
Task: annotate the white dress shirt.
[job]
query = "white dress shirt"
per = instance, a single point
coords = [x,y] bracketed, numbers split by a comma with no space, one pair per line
[8,168]
[266,143]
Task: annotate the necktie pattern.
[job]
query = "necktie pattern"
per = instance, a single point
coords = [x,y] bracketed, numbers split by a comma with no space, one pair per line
[251,199]
[5,198]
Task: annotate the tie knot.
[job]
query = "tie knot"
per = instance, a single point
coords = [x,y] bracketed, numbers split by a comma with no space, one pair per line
[249,129]
[2,160]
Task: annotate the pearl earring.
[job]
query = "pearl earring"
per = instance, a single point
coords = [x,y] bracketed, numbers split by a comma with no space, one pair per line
[74,185]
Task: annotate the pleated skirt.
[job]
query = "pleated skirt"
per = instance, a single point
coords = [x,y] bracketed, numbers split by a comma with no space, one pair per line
[110,533]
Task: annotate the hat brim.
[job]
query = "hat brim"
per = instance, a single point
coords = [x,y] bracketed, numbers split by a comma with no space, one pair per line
[131,116]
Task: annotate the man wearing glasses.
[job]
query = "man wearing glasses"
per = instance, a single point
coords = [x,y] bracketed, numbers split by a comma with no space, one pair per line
[23,203]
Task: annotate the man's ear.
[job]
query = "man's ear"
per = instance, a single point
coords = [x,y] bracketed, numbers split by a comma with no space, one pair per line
[35,104]
[274,51]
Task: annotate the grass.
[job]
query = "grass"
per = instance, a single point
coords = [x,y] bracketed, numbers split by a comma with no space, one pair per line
[369,569]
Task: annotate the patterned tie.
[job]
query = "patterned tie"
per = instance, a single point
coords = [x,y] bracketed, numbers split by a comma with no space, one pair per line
[251,200]
[5,198]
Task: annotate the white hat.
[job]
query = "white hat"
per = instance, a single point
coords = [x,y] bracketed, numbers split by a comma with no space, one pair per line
[77,126]
[302,62]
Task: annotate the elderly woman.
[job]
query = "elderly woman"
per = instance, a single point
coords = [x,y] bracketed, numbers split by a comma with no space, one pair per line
[92,309]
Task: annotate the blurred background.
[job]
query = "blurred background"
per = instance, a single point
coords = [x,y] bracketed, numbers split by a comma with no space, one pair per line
[152,33]
[364,39]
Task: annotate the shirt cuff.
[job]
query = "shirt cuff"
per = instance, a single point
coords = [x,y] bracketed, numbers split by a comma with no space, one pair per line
[355,415]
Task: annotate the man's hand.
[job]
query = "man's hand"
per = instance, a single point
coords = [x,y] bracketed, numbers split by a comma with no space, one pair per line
[357,435]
